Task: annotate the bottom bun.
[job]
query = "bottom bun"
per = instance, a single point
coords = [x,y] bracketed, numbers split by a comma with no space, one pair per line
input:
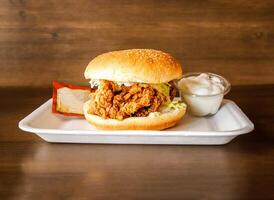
[163,121]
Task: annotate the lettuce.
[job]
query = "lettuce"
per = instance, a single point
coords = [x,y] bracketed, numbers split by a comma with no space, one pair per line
[176,105]
[162,87]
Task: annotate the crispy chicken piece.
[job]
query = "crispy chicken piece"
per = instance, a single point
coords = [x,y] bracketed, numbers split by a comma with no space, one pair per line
[119,102]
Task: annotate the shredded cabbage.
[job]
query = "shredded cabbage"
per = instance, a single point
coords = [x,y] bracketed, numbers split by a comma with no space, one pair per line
[176,105]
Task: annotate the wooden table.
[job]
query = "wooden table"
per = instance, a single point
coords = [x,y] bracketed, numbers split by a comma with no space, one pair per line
[33,169]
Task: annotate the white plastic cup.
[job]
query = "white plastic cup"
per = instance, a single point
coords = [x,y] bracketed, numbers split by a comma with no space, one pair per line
[204,105]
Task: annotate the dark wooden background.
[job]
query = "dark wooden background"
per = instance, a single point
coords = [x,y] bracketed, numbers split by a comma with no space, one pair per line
[45,40]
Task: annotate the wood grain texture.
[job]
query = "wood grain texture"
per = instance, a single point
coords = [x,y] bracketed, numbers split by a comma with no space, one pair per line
[33,169]
[45,40]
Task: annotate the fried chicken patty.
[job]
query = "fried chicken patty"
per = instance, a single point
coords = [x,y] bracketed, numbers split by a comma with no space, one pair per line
[113,101]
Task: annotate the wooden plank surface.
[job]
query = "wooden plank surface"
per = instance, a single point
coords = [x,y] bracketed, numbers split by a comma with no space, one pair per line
[33,169]
[45,40]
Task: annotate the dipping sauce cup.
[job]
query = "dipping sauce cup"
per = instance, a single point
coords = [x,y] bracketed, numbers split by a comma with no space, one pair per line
[203,92]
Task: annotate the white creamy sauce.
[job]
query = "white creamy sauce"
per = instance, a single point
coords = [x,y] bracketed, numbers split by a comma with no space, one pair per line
[201,85]
[154,114]
[203,93]
[127,84]
[96,83]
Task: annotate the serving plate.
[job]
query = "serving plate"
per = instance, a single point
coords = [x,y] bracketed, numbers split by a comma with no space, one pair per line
[221,128]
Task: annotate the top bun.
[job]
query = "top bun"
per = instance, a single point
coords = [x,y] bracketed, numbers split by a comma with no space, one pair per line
[134,65]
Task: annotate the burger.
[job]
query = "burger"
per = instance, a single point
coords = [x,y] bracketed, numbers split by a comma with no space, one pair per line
[135,90]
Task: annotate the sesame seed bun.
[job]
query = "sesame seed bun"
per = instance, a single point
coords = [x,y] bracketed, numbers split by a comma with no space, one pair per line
[134,65]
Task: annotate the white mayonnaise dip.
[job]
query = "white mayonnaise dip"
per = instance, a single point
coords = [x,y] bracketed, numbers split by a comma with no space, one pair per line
[202,92]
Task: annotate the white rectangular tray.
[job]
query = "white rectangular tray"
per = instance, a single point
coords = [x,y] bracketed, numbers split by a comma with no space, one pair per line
[219,129]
